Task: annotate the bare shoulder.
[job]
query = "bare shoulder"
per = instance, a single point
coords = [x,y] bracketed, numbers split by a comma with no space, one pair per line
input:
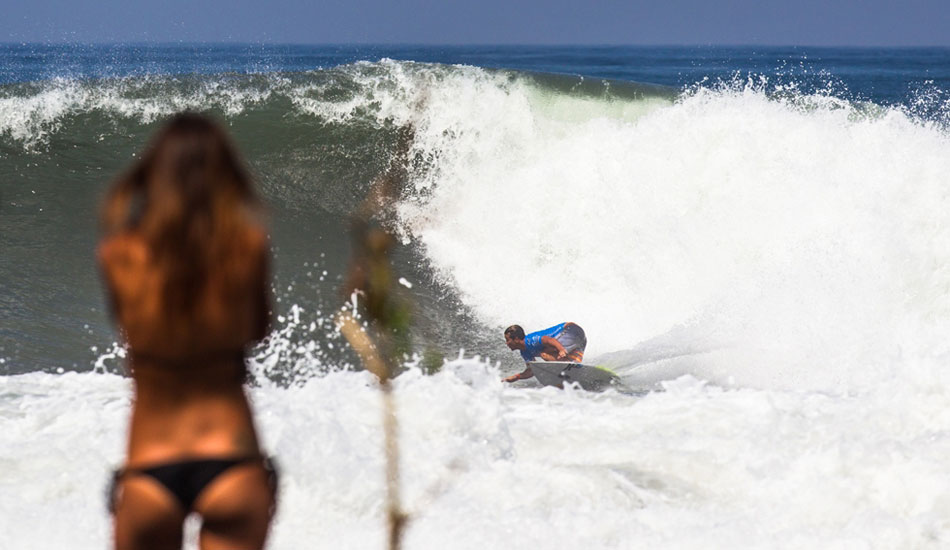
[257,238]
[257,244]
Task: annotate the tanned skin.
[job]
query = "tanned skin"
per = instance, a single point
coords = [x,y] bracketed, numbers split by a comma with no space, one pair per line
[552,351]
[189,402]
[186,350]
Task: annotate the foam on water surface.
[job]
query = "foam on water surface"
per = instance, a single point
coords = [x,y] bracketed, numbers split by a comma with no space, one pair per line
[694,466]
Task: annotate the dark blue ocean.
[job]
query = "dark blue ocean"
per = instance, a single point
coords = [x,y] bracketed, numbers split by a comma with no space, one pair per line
[886,75]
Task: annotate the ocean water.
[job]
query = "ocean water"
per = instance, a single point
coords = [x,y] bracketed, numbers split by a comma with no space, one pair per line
[756,239]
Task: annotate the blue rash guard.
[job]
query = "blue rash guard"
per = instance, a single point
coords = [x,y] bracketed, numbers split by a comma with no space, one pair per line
[532,342]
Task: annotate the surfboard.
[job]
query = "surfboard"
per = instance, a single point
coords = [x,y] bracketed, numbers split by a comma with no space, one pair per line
[589,377]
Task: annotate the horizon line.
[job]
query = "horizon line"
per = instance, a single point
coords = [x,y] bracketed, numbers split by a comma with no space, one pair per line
[460,45]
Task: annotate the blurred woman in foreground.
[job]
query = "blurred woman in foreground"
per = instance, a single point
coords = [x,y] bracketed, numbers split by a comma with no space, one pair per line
[184,257]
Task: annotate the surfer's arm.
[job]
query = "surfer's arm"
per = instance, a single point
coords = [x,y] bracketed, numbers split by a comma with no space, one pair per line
[561,352]
[523,375]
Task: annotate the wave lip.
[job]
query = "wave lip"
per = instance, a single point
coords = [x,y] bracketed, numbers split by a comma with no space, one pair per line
[31,112]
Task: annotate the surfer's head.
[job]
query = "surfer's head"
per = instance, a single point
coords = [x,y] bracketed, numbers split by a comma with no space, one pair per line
[514,337]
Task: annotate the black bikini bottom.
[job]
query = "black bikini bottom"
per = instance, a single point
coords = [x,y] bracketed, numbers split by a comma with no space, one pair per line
[186,479]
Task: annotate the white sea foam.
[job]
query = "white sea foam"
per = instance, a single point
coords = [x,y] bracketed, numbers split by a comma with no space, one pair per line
[490,465]
[790,242]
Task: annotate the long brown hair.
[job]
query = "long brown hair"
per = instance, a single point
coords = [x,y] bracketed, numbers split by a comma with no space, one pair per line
[189,197]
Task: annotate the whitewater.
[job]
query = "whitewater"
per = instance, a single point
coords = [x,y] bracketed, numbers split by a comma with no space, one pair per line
[767,266]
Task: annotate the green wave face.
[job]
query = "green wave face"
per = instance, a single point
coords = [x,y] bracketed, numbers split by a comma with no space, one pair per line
[314,141]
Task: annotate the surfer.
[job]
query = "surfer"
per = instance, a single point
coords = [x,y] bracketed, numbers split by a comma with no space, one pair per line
[563,342]
[184,258]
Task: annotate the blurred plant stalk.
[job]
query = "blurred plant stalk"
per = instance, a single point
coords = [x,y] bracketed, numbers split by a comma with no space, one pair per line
[383,341]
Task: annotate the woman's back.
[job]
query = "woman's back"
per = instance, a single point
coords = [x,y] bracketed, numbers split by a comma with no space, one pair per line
[185,263]
[188,369]
[226,313]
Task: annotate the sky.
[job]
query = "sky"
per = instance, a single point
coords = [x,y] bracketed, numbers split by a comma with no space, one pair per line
[657,22]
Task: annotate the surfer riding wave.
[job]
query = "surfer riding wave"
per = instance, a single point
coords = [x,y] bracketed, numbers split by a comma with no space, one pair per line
[563,342]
